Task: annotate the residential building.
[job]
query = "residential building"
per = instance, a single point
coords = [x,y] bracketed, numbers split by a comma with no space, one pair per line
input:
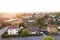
[52,28]
[12,30]
[33,30]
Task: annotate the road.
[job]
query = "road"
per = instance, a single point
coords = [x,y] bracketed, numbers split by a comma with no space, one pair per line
[31,38]
[3,30]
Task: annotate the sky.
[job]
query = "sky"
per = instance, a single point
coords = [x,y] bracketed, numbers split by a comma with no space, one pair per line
[12,6]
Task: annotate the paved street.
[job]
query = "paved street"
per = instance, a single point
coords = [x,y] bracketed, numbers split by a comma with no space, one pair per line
[30,38]
[3,30]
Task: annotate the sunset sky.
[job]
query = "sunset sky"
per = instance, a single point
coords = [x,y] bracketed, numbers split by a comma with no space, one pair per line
[29,5]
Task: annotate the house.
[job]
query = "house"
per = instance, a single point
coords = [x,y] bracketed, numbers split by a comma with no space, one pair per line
[29,21]
[12,30]
[52,15]
[33,30]
[52,28]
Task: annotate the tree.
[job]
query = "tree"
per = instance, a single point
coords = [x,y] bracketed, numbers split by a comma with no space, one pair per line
[39,22]
[24,32]
[3,23]
[47,38]
[58,22]
[57,14]
[22,24]
[46,15]
[15,23]
[51,22]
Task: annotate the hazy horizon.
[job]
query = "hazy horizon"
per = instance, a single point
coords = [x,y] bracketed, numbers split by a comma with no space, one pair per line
[13,6]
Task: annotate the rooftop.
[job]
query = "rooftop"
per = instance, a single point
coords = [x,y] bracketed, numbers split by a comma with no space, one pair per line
[51,26]
[33,28]
[12,27]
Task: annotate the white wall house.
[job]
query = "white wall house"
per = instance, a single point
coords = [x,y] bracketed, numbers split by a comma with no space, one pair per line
[12,30]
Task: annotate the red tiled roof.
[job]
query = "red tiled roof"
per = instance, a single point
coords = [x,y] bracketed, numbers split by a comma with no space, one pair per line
[58,19]
[52,26]
[12,27]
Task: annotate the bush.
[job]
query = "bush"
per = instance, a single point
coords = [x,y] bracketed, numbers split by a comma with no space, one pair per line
[24,32]
[34,34]
[7,36]
[47,38]
[4,36]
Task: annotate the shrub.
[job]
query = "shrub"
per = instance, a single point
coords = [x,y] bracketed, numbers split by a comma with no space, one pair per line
[24,32]
[47,38]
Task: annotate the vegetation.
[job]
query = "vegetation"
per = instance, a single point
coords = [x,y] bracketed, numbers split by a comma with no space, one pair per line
[39,22]
[46,16]
[31,24]
[24,32]
[57,14]
[58,22]
[21,33]
[7,36]
[52,30]
[47,38]
[3,24]
[51,22]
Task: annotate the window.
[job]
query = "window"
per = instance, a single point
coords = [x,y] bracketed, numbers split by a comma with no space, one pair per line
[10,30]
[16,32]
